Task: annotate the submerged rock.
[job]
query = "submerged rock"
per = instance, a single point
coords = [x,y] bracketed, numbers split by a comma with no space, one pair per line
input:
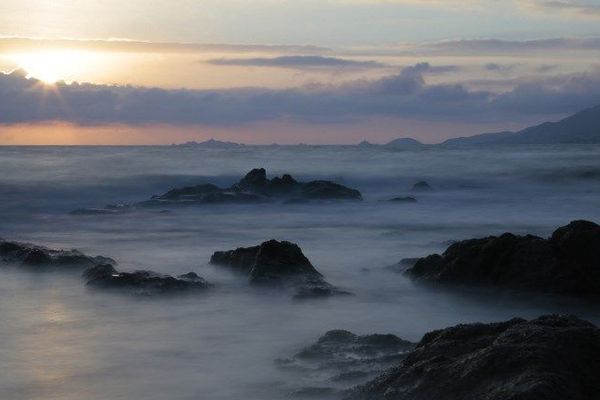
[406,199]
[567,262]
[39,258]
[143,282]
[551,358]
[341,359]
[277,263]
[422,186]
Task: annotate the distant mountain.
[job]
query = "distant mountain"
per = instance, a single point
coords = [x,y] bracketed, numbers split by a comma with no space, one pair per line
[582,127]
[404,143]
[212,143]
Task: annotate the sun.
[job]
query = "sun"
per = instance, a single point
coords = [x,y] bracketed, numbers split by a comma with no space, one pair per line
[55,65]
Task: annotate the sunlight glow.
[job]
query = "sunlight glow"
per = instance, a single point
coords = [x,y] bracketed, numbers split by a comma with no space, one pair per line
[56,65]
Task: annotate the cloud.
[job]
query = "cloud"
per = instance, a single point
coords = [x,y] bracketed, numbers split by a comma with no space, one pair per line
[403,95]
[502,68]
[580,7]
[483,47]
[296,62]
[16,44]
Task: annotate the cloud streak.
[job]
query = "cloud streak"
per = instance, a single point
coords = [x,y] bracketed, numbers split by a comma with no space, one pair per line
[296,62]
[19,44]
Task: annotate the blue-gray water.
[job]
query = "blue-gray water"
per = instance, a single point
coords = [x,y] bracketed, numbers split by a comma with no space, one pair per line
[63,341]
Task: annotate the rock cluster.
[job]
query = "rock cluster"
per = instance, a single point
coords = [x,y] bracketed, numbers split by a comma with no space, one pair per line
[567,262]
[255,187]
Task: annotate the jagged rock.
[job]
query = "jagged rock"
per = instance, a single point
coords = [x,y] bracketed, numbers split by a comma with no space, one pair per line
[422,186]
[277,263]
[340,358]
[143,282]
[567,262]
[551,358]
[256,187]
[39,258]
[406,199]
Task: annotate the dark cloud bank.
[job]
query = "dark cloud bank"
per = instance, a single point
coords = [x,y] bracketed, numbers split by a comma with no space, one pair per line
[405,95]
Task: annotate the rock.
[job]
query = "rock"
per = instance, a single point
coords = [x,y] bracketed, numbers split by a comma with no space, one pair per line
[277,263]
[143,282]
[421,186]
[343,359]
[40,258]
[551,358]
[568,262]
[406,199]
[256,187]
[325,190]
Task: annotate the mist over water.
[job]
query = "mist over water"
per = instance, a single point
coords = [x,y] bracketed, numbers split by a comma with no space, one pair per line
[61,340]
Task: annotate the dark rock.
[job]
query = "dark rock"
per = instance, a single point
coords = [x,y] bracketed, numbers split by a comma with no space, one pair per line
[277,263]
[409,262]
[406,199]
[40,258]
[568,262]
[344,359]
[143,282]
[422,186]
[255,187]
[551,358]
[325,190]
[94,211]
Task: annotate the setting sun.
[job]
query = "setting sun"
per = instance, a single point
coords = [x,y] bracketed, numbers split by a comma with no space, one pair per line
[53,66]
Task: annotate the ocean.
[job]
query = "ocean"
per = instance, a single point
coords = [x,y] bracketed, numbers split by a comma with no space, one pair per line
[63,340]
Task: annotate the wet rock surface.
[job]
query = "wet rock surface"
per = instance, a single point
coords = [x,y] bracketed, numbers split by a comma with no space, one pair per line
[551,358]
[277,263]
[340,359]
[35,257]
[256,187]
[143,282]
[567,262]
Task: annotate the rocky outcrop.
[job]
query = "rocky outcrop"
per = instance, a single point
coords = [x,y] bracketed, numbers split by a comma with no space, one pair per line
[256,187]
[550,358]
[36,257]
[277,263]
[143,282]
[567,262]
[340,359]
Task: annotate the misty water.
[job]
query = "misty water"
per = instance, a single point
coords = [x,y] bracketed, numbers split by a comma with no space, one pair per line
[62,340]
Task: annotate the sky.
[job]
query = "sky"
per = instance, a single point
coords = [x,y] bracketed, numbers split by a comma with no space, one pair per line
[291,71]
